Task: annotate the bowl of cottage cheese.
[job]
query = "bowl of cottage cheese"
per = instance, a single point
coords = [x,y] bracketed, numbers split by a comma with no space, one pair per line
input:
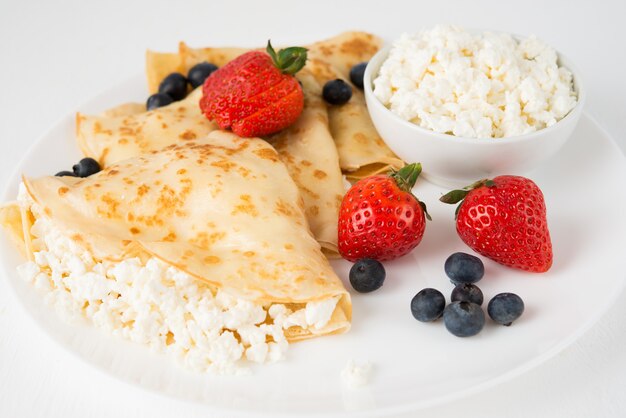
[471,105]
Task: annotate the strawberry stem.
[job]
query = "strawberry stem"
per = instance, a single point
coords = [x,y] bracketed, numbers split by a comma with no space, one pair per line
[456,196]
[289,60]
[405,179]
[407,176]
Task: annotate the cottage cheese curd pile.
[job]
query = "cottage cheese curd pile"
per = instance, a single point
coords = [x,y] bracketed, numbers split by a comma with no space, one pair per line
[160,306]
[484,85]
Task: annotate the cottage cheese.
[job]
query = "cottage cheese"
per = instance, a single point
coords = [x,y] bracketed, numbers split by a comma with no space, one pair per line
[156,304]
[474,85]
[356,375]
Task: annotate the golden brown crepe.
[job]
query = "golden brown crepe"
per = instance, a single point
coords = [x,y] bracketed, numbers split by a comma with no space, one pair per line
[308,150]
[159,65]
[361,150]
[221,208]
[111,139]
[306,147]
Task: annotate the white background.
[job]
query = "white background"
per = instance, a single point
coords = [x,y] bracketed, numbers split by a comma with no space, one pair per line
[56,54]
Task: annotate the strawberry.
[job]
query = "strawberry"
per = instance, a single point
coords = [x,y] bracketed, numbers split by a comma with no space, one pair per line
[504,219]
[380,218]
[256,94]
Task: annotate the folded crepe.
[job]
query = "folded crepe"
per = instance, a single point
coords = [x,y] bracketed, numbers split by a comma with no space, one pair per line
[307,148]
[221,209]
[361,150]
[308,151]
[128,133]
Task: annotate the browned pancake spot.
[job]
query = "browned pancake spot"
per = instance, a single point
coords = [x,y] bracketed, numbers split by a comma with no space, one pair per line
[284,208]
[143,189]
[63,190]
[358,47]
[246,206]
[224,165]
[111,205]
[134,230]
[212,259]
[267,154]
[188,135]
[171,237]
[314,210]
[320,174]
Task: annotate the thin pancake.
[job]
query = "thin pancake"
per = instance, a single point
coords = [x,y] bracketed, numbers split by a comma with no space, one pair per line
[308,150]
[223,209]
[361,150]
[111,139]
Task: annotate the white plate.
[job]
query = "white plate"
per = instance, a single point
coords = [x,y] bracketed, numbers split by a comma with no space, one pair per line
[415,365]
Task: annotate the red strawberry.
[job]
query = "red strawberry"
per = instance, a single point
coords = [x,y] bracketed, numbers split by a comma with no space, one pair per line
[256,94]
[380,218]
[505,219]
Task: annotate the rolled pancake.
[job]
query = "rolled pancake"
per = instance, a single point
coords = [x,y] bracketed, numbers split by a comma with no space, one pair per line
[222,209]
[362,152]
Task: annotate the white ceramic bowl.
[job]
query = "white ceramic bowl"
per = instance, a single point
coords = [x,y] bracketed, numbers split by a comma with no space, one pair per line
[453,161]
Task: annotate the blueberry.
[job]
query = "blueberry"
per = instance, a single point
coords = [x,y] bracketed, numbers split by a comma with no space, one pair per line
[174,85]
[504,308]
[65,174]
[464,268]
[356,74]
[428,305]
[86,167]
[463,319]
[467,292]
[158,100]
[199,72]
[367,275]
[337,92]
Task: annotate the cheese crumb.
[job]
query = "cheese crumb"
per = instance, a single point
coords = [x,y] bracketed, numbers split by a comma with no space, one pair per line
[354,375]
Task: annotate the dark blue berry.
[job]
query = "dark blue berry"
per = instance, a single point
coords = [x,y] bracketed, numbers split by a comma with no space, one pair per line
[337,92]
[428,305]
[504,308]
[86,167]
[467,292]
[158,100]
[464,268]
[463,319]
[356,74]
[174,85]
[367,275]
[65,174]
[199,72]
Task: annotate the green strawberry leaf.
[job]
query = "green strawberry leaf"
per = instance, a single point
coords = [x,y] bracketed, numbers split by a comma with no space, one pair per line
[454,196]
[407,176]
[289,60]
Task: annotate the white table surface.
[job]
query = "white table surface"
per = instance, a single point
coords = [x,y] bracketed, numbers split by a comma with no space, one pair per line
[57,54]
